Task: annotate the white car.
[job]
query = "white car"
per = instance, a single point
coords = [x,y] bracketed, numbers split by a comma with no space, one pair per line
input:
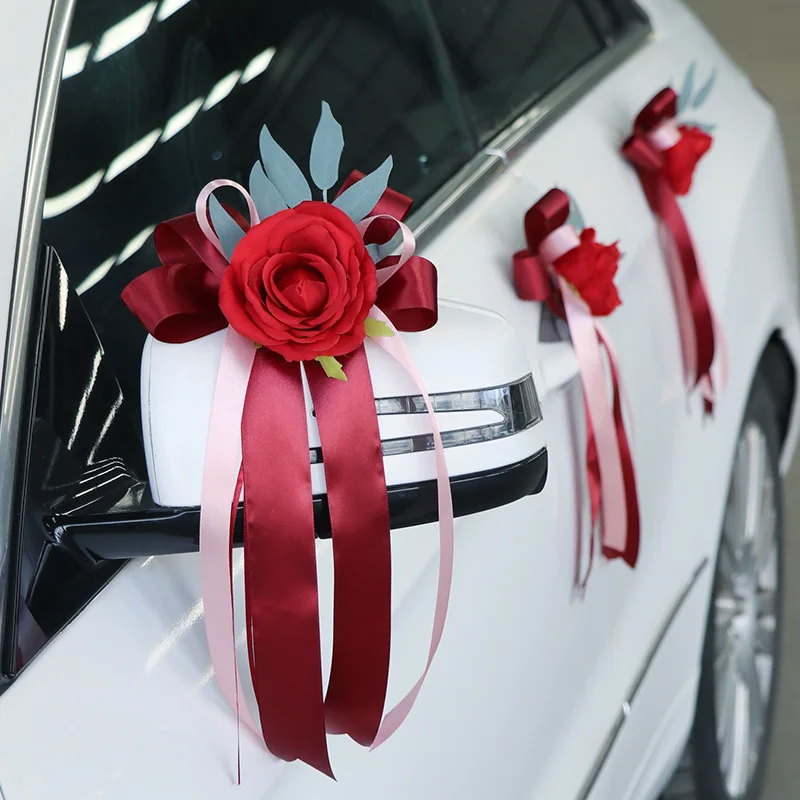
[115,114]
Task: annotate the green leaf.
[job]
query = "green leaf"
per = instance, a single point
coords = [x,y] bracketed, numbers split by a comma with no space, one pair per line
[359,199]
[375,327]
[685,96]
[704,91]
[333,369]
[226,228]
[266,197]
[326,150]
[284,174]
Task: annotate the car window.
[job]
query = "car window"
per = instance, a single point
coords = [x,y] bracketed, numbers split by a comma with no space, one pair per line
[157,99]
[508,54]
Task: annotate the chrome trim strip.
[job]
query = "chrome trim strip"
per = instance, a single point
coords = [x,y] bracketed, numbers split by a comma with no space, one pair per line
[516,403]
[625,708]
[501,152]
[25,266]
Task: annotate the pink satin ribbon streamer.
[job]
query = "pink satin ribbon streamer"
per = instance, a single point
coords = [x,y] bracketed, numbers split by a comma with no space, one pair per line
[396,347]
[220,481]
[583,330]
[666,135]
[406,251]
[558,243]
[590,360]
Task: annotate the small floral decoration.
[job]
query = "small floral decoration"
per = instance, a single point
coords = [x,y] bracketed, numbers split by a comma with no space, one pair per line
[681,160]
[590,269]
[302,282]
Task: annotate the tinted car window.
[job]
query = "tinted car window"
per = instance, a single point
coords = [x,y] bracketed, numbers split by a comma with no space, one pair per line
[165,97]
[156,100]
[507,54]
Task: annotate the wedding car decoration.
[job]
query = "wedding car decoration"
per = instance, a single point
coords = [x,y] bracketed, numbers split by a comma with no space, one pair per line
[301,287]
[665,155]
[574,274]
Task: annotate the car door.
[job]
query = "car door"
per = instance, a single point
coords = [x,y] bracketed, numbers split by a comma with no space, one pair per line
[529,680]
[616,630]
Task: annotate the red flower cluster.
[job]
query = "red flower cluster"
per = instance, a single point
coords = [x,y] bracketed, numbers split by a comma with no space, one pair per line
[681,159]
[301,283]
[590,268]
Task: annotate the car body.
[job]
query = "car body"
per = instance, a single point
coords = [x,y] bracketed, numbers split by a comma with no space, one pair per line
[535,692]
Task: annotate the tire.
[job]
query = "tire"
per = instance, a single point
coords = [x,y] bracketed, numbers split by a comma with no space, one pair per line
[748,589]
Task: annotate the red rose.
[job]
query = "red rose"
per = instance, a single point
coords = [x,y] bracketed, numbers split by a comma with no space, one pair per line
[301,283]
[590,268]
[681,159]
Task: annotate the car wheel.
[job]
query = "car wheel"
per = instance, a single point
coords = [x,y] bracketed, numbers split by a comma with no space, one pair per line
[726,757]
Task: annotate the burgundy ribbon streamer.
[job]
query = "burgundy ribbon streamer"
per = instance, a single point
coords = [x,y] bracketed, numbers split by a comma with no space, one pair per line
[533,281]
[649,163]
[281,563]
[359,511]
[178,302]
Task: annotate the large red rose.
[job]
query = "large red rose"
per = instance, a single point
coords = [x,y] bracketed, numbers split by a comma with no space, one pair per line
[681,159]
[301,283]
[590,268]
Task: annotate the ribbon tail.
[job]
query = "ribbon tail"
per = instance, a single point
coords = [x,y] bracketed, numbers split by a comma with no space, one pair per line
[281,565]
[220,478]
[696,290]
[630,552]
[359,510]
[587,349]
[594,487]
[397,349]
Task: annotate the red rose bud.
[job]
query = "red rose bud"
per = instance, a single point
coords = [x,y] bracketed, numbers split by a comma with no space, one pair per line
[301,283]
[681,159]
[590,268]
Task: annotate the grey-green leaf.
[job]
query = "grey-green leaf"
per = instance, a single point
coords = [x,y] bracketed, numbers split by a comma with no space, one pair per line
[226,228]
[575,217]
[685,97]
[285,175]
[704,126]
[704,91]
[266,197]
[361,197]
[326,150]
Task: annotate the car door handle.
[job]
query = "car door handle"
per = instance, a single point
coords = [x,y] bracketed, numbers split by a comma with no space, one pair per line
[559,364]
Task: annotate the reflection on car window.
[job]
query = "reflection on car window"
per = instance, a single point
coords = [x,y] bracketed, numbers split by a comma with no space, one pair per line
[157,99]
[508,54]
[160,98]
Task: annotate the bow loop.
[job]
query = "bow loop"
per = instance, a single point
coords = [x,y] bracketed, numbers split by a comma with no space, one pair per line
[642,153]
[179,301]
[410,297]
[544,217]
[663,107]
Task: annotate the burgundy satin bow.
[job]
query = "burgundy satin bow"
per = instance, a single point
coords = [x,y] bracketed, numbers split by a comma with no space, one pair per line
[178,302]
[532,279]
[535,279]
[650,164]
